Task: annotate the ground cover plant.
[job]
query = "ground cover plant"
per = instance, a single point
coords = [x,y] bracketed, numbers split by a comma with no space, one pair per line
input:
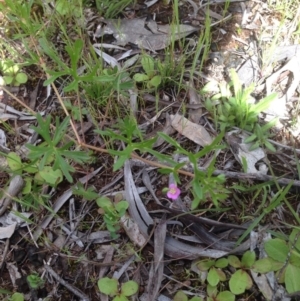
[149,150]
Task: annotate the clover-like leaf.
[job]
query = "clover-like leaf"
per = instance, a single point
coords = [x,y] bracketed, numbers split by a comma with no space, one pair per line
[292,276]
[263,265]
[213,277]
[248,259]
[129,288]
[108,286]
[225,296]
[21,78]
[277,249]
[239,282]
[234,261]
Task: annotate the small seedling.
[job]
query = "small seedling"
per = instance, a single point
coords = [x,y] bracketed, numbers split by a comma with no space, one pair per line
[150,76]
[110,287]
[35,281]
[112,213]
[11,73]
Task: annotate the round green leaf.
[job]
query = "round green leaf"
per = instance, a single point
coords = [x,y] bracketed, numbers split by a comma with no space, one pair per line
[213,277]
[108,286]
[21,78]
[221,263]
[104,202]
[62,7]
[122,206]
[155,81]
[28,185]
[248,259]
[14,162]
[17,297]
[292,276]
[8,79]
[52,177]
[180,296]
[234,261]
[140,77]
[263,265]
[277,249]
[129,288]
[239,282]
[226,296]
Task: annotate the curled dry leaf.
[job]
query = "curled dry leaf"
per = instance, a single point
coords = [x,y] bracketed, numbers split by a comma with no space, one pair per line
[192,131]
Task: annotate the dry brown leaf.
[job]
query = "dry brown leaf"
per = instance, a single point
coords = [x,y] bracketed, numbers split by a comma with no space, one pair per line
[192,131]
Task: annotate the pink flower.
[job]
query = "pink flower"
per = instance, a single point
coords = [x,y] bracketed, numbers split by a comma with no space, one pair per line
[173,192]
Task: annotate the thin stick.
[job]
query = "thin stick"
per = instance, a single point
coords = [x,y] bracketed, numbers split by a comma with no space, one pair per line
[68,286]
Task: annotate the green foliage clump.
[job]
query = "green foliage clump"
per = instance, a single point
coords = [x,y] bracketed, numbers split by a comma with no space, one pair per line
[12,74]
[110,287]
[232,107]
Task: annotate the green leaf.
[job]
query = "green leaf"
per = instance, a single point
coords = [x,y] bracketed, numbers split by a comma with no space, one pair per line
[234,261]
[108,286]
[264,103]
[52,177]
[221,274]
[64,167]
[62,7]
[28,186]
[8,79]
[263,265]
[140,77]
[211,290]
[239,282]
[205,265]
[104,202]
[270,146]
[251,138]
[295,258]
[129,288]
[148,65]
[248,259]
[291,280]
[294,239]
[225,296]
[180,296]
[221,263]
[213,277]
[14,162]
[277,249]
[121,161]
[121,207]
[17,297]
[155,81]
[21,78]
